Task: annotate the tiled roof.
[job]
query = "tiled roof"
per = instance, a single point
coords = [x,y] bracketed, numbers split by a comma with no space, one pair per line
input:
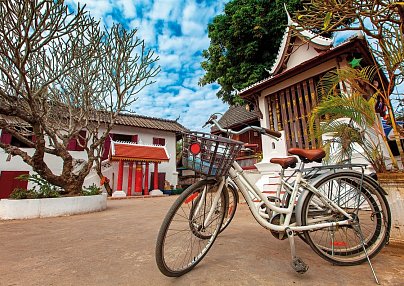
[138,152]
[128,120]
[149,122]
[236,116]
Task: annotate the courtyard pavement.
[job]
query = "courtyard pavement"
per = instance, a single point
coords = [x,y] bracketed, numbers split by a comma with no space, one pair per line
[116,247]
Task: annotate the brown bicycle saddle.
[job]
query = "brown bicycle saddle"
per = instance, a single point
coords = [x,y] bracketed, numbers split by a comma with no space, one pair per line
[307,156]
[285,162]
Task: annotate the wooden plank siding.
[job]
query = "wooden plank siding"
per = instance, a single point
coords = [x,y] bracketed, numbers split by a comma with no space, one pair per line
[290,118]
[296,115]
[290,110]
[284,122]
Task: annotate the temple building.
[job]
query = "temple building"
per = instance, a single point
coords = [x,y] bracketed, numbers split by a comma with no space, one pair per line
[139,156]
[285,99]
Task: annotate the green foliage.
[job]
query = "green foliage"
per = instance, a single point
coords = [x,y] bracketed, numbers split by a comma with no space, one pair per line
[20,194]
[348,118]
[91,190]
[244,41]
[41,189]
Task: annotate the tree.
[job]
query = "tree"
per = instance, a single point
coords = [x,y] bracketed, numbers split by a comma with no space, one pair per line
[348,116]
[61,74]
[383,24]
[244,42]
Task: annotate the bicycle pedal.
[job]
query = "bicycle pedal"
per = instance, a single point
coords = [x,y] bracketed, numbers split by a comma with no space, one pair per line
[299,266]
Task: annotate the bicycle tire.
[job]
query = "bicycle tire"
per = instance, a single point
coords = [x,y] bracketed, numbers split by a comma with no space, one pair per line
[368,205]
[178,249]
[231,207]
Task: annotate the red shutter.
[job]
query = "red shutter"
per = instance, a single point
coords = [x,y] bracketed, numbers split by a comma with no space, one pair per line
[5,137]
[135,138]
[71,146]
[107,144]
[33,139]
[74,145]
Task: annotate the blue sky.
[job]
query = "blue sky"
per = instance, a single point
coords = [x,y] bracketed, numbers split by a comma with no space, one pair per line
[177,31]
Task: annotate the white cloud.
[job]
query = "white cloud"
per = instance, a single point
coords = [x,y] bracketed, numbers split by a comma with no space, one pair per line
[127,7]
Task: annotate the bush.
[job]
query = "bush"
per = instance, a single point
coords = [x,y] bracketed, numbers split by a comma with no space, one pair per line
[43,189]
[20,193]
[91,190]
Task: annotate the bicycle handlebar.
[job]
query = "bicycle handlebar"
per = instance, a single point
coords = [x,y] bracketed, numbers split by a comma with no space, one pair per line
[271,133]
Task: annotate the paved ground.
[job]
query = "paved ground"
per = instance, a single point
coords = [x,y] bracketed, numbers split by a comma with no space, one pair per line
[116,247]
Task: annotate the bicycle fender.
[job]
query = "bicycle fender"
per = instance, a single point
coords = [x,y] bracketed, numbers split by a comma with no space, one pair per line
[232,184]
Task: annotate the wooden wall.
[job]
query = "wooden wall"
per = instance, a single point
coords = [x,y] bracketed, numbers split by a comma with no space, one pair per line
[290,110]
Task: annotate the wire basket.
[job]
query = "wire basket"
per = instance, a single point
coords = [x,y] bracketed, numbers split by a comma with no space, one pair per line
[207,154]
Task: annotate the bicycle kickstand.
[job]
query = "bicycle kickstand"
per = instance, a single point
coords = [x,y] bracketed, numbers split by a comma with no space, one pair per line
[359,233]
[297,263]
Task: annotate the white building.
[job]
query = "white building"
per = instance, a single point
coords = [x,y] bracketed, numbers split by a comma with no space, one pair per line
[286,98]
[141,131]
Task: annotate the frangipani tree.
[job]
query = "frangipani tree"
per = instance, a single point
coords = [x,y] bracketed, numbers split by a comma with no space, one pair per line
[383,24]
[60,74]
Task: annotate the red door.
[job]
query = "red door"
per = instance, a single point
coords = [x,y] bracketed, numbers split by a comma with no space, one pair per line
[8,182]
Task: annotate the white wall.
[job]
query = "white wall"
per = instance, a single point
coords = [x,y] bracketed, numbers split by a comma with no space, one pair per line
[301,53]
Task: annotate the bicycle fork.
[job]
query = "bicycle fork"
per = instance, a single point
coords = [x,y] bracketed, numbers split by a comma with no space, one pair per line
[214,203]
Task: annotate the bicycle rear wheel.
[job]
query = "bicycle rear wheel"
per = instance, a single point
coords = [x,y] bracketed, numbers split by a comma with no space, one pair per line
[185,235]
[363,200]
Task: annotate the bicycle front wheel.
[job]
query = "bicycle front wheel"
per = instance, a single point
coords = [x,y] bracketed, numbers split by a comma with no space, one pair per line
[190,228]
[370,227]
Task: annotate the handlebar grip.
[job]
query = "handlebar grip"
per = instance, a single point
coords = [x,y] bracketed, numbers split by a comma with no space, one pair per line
[273,133]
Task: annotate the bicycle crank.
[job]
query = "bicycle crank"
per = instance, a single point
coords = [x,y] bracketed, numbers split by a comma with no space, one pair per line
[297,263]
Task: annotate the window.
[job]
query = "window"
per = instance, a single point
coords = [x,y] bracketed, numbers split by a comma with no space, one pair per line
[125,138]
[159,141]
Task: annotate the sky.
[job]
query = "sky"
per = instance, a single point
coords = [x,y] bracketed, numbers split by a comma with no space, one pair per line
[177,31]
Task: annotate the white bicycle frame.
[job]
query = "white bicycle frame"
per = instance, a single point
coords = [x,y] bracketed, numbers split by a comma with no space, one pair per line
[250,191]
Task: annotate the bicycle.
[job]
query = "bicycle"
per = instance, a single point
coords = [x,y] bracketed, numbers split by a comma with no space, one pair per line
[341,213]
